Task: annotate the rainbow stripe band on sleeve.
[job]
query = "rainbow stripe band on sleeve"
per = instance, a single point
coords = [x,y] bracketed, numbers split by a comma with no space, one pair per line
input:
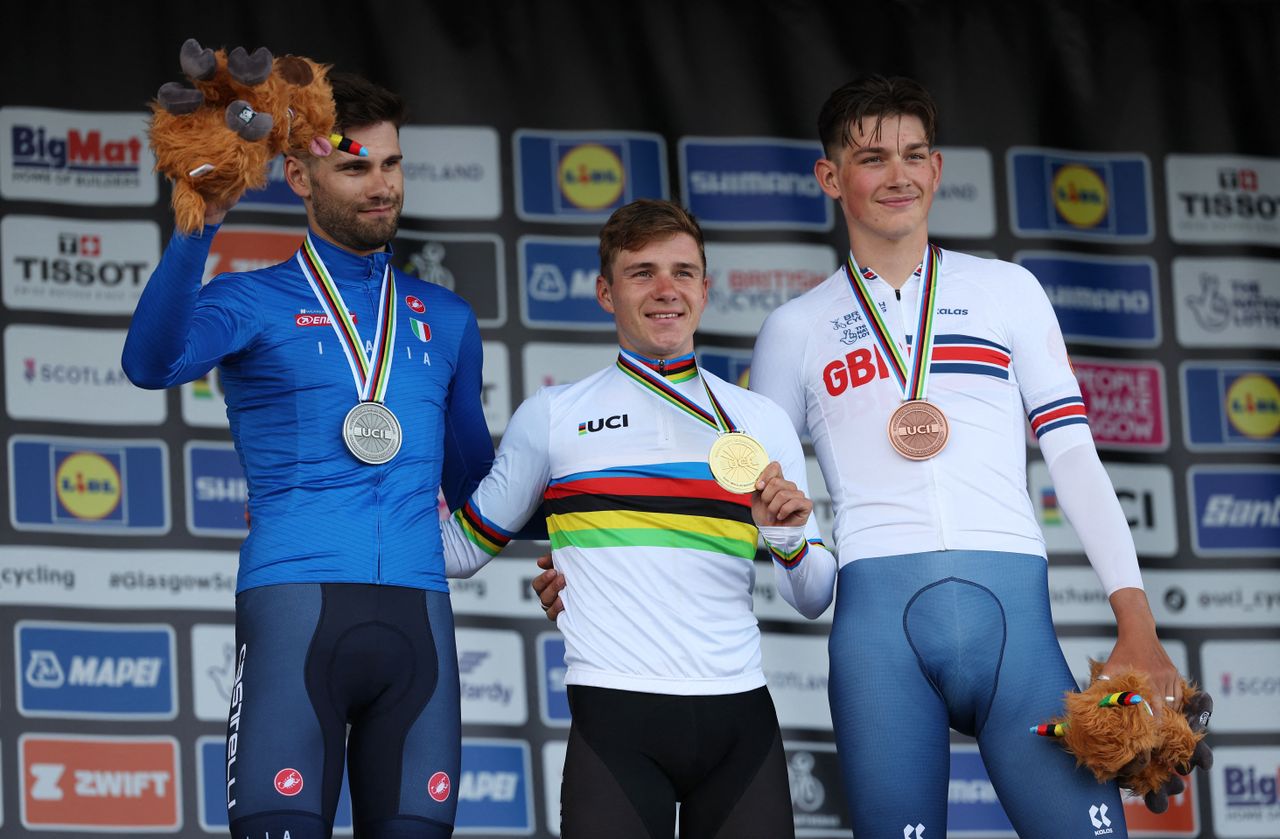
[483,533]
[792,559]
[1069,411]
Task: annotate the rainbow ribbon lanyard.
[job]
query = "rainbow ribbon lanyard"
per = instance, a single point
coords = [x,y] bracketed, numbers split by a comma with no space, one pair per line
[658,386]
[371,374]
[913,379]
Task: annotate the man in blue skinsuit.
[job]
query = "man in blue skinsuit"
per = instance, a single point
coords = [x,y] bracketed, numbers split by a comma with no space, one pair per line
[353,393]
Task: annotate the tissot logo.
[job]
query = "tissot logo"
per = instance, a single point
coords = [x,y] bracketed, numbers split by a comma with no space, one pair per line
[615,421]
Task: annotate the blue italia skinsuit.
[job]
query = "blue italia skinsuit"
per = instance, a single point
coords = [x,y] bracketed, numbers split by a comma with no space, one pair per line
[342,609]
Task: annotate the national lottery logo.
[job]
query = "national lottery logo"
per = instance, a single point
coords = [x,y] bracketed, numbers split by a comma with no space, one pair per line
[591,176]
[1253,406]
[88,486]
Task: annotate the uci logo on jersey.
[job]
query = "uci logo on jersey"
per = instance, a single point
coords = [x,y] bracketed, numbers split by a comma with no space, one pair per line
[615,421]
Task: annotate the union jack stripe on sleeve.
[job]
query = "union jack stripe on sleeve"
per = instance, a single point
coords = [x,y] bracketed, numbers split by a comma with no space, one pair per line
[483,533]
[792,559]
[1069,411]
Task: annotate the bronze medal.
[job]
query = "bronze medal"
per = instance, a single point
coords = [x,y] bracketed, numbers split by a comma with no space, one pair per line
[918,429]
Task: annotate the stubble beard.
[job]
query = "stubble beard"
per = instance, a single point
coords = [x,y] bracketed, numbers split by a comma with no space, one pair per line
[343,223]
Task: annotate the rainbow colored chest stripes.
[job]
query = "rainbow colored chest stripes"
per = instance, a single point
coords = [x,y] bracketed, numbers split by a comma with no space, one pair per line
[677,506]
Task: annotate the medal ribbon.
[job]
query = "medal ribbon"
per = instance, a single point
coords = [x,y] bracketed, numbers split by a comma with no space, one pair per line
[371,374]
[912,378]
[658,386]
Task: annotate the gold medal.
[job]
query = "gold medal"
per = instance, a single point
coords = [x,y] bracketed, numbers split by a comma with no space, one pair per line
[918,429]
[736,461]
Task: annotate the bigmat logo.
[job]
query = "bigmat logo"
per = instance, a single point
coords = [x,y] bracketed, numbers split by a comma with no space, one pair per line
[451,172]
[71,485]
[1126,403]
[471,264]
[76,265]
[965,203]
[217,492]
[553,699]
[495,792]
[1223,199]
[1244,785]
[1073,195]
[1235,510]
[73,375]
[1099,299]
[1231,405]
[581,178]
[558,283]
[93,784]
[1145,492]
[747,282]
[491,670]
[752,183]
[1227,302]
[1244,678]
[211,785]
[76,157]
[817,796]
[96,671]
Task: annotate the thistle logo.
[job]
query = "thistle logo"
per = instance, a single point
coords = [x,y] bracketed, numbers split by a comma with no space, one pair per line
[616,421]
[1253,406]
[591,176]
[88,486]
[1080,196]
[439,786]
[288,782]
[1098,818]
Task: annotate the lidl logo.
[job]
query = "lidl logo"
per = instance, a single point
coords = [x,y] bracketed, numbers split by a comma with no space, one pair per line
[591,176]
[583,177]
[494,791]
[1231,405]
[1074,195]
[93,784]
[96,671]
[73,485]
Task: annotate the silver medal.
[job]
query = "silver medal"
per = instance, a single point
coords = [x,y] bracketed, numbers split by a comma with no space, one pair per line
[371,432]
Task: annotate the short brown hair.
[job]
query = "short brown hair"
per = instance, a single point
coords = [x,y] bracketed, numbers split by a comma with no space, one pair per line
[360,103]
[646,220]
[878,97]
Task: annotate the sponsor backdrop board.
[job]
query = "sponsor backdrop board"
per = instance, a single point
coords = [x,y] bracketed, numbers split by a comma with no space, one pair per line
[126,507]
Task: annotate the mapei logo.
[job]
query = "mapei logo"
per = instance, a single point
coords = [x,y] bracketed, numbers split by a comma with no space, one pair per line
[65,484]
[583,177]
[1231,405]
[591,426]
[96,671]
[92,784]
[1236,510]
[1074,195]
[494,794]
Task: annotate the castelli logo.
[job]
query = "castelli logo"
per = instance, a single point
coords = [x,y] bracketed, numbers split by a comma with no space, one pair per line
[418,306]
[439,786]
[288,782]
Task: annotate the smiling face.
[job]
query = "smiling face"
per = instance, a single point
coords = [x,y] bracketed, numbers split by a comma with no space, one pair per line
[656,295]
[353,201]
[884,181]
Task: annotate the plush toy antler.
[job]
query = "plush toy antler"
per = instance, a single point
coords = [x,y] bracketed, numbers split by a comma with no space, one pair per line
[217,139]
[1111,729]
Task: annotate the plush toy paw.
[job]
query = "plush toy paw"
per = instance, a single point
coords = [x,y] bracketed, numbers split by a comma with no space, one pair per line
[1111,730]
[215,140]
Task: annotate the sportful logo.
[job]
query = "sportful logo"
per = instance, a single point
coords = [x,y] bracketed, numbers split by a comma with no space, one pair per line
[615,421]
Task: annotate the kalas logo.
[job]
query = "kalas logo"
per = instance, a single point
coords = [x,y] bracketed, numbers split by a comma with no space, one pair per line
[34,147]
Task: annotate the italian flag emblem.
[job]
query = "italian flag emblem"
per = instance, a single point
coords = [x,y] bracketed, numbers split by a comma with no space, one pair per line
[421,329]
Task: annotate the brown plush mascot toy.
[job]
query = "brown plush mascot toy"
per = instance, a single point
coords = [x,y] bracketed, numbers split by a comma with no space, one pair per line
[1111,729]
[216,140]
